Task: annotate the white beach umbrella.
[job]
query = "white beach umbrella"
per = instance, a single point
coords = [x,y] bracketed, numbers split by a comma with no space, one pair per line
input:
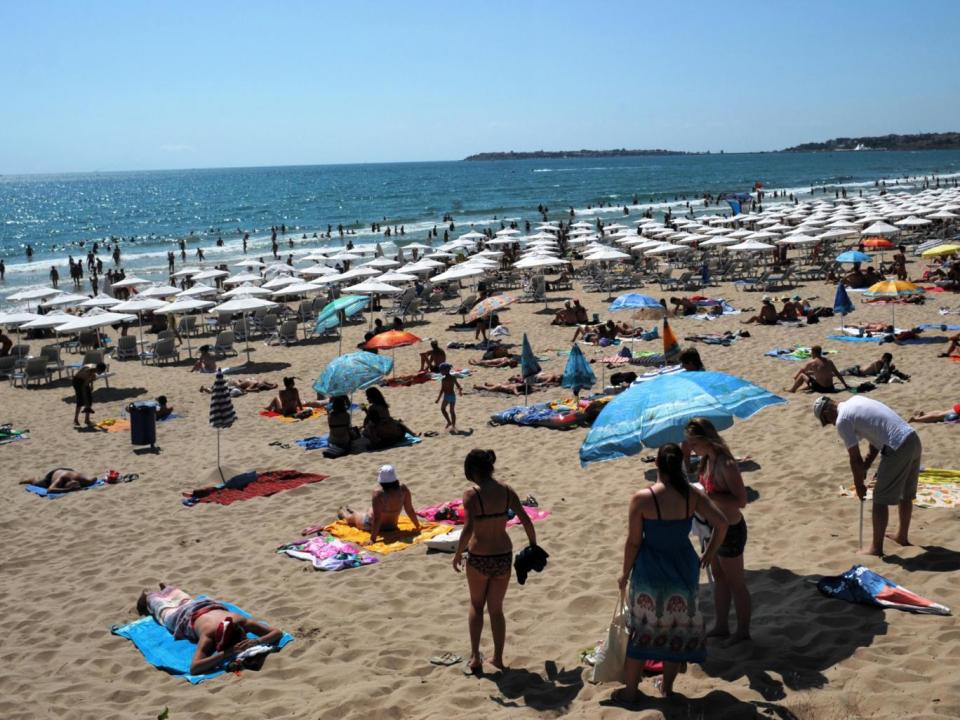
[250,264]
[243,305]
[186,272]
[396,277]
[360,272]
[101,301]
[880,228]
[139,305]
[211,274]
[668,249]
[372,287]
[507,232]
[279,281]
[34,293]
[90,322]
[198,290]
[344,255]
[381,262]
[241,278]
[751,246]
[472,235]
[539,261]
[185,305]
[943,214]
[247,290]
[297,288]
[457,273]
[65,300]
[421,246]
[605,255]
[913,221]
[502,241]
[130,282]
[158,291]
[50,320]
[318,271]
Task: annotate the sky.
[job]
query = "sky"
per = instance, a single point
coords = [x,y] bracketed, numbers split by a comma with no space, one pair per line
[130,84]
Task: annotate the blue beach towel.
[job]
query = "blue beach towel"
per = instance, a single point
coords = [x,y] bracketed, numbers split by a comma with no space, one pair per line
[173,656]
[43,492]
[851,338]
[939,326]
[321,442]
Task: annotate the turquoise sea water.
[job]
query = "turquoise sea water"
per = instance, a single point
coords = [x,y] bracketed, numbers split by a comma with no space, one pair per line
[54,213]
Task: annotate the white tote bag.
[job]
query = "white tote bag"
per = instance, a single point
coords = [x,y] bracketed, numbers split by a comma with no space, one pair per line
[613,654]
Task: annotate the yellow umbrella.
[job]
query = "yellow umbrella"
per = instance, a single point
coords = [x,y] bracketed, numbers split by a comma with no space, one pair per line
[940,250]
[892,290]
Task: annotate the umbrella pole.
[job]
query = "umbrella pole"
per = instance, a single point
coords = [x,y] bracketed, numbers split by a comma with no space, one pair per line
[246,336]
[140,316]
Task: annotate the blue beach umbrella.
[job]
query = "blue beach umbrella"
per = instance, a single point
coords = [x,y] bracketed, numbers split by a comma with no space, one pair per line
[842,304]
[853,256]
[635,301]
[578,375]
[351,372]
[654,413]
[329,317]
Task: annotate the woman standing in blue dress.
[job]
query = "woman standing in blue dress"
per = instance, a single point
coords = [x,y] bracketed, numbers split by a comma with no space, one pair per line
[663,573]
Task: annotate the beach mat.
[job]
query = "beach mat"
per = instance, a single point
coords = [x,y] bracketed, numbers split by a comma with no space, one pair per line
[451,513]
[9,434]
[939,326]
[937,488]
[43,492]
[159,648]
[263,485]
[314,413]
[327,553]
[322,442]
[393,541]
[861,585]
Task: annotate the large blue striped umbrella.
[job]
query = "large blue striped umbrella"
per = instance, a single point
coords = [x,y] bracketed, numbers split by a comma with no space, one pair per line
[351,372]
[654,413]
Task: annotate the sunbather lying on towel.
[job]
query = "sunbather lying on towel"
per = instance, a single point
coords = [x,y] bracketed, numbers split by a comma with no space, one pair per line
[883,368]
[219,634]
[542,378]
[818,374]
[950,416]
[248,385]
[62,480]
[593,334]
[389,499]
[500,362]
[288,402]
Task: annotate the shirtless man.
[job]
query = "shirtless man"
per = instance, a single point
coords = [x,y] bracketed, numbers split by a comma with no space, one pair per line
[288,403]
[791,311]
[432,358]
[242,387]
[386,504]
[566,316]
[82,382]
[219,634]
[63,480]
[499,362]
[766,316]
[818,374]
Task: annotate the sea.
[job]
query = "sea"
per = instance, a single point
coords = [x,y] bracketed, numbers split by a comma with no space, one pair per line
[150,211]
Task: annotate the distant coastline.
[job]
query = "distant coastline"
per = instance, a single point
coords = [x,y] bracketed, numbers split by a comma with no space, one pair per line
[919,141]
[566,154]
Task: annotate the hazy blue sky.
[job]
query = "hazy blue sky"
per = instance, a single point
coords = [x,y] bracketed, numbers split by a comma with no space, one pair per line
[134,85]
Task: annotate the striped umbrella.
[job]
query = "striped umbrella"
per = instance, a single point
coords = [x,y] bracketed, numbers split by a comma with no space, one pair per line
[222,414]
[489,306]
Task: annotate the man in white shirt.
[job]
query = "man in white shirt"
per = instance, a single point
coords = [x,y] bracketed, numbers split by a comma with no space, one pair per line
[889,436]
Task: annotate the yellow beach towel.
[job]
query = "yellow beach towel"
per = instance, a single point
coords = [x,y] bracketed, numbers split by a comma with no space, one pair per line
[314,413]
[114,425]
[392,541]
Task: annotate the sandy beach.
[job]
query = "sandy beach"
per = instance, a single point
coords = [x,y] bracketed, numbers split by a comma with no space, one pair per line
[75,566]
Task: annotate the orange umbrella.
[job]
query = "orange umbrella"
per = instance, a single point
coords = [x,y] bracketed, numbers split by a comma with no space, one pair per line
[877,242]
[391,339]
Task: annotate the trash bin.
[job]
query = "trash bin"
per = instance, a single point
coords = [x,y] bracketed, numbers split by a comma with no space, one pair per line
[143,422]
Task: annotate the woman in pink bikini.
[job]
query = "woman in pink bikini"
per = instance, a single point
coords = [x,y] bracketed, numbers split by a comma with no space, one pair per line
[487,507]
[721,480]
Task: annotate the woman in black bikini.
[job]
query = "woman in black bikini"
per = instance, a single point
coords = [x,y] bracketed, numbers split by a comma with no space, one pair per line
[489,551]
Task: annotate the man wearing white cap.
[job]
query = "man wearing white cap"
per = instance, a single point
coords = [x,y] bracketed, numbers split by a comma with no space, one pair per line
[390,499]
[898,445]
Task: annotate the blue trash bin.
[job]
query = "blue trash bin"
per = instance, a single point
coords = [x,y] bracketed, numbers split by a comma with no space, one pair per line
[143,422]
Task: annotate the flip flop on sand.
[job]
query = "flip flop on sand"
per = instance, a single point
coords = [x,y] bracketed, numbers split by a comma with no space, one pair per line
[447,658]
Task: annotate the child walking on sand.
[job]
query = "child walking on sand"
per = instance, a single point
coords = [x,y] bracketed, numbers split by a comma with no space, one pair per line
[448,392]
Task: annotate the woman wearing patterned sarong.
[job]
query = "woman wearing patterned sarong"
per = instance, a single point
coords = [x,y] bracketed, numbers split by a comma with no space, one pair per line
[663,573]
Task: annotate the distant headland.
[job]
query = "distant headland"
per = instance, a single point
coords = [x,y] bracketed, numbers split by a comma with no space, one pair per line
[564,154]
[920,141]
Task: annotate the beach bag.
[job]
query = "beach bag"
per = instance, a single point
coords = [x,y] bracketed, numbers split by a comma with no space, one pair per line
[612,655]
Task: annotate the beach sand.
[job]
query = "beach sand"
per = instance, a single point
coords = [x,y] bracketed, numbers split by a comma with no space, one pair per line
[74,567]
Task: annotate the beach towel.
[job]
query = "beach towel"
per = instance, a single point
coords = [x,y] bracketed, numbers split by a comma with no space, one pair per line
[158,647]
[451,513]
[9,434]
[538,415]
[43,492]
[322,442]
[456,372]
[265,484]
[406,380]
[939,326]
[315,412]
[714,339]
[393,541]
[796,353]
[936,488]
[327,553]
[852,338]
[860,585]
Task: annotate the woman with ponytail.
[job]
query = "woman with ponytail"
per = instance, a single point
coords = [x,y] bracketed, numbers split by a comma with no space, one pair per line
[487,507]
[661,574]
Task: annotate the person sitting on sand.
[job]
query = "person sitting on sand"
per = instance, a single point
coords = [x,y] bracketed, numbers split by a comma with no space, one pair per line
[950,416]
[500,362]
[432,358]
[607,330]
[951,348]
[901,455]
[342,433]
[247,385]
[388,500]
[206,362]
[164,410]
[379,427]
[486,509]
[683,306]
[288,402]
[818,373]
[220,635]
[767,315]
[565,316]
[855,278]
[62,480]
[871,276]
[5,344]
[883,368]
[791,311]
[690,360]
[580,314]
[82,382]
